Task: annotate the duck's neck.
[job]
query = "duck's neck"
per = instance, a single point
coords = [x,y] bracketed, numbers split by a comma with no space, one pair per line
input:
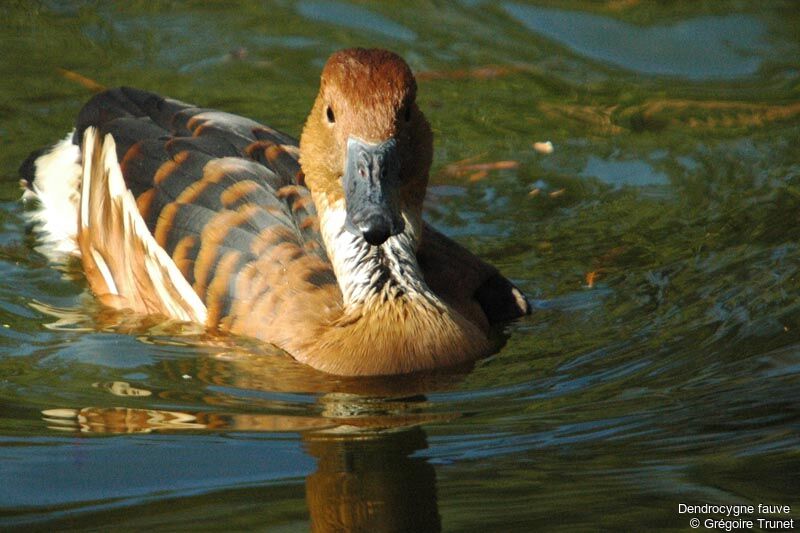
[389,310]
[371,276]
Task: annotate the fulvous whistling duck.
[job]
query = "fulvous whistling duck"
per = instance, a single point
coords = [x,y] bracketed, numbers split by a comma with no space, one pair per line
[205,216]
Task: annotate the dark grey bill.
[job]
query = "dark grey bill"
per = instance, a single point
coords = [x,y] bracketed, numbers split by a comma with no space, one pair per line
[371,182]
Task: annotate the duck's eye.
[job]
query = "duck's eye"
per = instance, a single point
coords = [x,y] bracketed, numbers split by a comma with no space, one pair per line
[407,114]
[329,114]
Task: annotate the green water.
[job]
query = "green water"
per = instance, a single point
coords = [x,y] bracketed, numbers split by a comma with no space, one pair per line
[659,243]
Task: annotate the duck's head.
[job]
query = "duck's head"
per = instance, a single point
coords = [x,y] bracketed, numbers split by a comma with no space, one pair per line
[366,147]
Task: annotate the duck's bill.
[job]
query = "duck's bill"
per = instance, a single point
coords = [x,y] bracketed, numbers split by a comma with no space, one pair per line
[371,183]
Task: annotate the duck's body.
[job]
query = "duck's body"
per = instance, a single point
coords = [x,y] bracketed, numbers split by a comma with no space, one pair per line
[206,216]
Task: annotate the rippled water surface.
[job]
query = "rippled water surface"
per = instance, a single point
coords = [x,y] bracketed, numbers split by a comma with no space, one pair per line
[659,243]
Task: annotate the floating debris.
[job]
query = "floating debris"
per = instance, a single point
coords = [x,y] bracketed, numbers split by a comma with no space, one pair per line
[597,119]
[477,176]
[88,83]
[545,147]
[477,171]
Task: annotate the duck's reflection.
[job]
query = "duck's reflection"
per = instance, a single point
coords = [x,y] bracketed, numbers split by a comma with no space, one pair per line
[365,435]
[371,483]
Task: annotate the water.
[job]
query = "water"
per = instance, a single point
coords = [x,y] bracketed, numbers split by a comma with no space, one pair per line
[659,243]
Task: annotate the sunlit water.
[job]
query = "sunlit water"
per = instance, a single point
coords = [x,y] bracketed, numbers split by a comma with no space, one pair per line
[659,243]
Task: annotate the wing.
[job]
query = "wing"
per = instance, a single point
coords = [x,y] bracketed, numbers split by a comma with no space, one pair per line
[473,287]
[218,198]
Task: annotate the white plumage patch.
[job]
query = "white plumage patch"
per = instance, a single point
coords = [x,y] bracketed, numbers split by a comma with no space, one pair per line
[56,186]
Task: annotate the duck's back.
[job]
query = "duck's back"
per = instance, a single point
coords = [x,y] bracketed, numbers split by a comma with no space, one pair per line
[205,161]
[221,195]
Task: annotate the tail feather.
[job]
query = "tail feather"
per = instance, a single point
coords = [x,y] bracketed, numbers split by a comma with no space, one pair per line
[124,264]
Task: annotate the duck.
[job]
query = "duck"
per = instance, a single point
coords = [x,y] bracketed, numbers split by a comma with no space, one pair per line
[318,247]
